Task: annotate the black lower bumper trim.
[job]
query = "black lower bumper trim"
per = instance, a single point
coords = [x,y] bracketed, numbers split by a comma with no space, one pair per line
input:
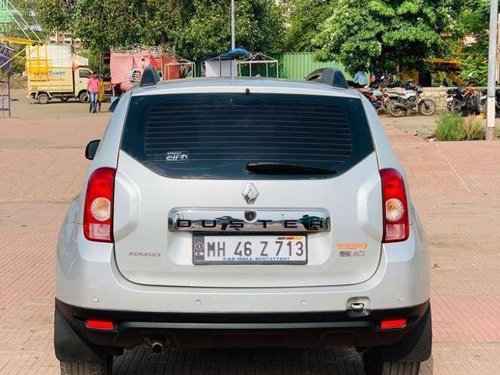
[235,330]
[246,326]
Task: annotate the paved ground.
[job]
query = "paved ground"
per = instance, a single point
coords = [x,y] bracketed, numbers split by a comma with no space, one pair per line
[455,186]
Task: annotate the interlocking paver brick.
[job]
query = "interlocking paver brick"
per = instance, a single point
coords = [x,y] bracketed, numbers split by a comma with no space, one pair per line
[455,187]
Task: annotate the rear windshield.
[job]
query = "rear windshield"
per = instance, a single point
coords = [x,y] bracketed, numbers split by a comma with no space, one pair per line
[218,135]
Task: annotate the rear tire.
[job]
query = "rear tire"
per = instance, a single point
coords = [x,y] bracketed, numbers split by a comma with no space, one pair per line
[427,107]
[87,368]
[374,365]
[43,98]
[394,110]
[456,107]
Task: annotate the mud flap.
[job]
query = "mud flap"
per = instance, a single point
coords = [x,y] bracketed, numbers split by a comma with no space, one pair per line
[416,346]
[69,347]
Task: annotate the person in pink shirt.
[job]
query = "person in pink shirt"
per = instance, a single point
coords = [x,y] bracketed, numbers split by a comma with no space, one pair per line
[93,89]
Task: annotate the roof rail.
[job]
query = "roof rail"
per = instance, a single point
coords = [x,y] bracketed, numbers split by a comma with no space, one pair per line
[329,76]
[149,77]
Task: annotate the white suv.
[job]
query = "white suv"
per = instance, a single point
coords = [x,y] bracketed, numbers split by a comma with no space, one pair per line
[254,212]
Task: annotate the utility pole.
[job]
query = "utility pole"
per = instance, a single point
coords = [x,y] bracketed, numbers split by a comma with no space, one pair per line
[233,32]
[492,63]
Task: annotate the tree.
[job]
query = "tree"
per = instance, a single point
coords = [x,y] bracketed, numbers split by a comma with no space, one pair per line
[24,16]
[306,18]
[54,14]
[473,21]
[195,29]
[379,34]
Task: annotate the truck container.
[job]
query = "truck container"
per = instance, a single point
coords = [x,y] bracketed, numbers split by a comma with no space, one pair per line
[55,73]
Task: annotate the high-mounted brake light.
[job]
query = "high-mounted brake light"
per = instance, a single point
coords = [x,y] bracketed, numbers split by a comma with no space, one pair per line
[98,214]
[395,206]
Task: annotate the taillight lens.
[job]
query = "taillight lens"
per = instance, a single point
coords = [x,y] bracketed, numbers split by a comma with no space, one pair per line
[393,324]
[98,214]
[100,325]
[395,206]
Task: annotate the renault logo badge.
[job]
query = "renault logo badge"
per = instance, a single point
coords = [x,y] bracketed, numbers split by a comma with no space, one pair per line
[250,193]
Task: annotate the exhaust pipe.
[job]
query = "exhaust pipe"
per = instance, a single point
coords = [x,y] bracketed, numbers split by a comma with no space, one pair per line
[157,347]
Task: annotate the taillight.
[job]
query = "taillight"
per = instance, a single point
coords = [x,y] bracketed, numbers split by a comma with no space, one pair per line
[98,214]
[395,206]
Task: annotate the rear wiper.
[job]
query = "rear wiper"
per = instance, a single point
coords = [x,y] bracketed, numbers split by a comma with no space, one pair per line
[285,168]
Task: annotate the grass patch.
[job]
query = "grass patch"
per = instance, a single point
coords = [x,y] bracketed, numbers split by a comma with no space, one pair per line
[473,129]
[452,127]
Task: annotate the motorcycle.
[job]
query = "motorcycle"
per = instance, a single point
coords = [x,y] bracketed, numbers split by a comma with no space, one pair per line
[462,99]
[484,98]
[374,96]
[387,96]
[410,100]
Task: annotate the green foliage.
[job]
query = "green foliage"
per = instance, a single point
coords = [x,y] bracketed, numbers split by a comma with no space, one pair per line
[474,21]
[382,34]
[259,27]
[306,18]
[53,14]
[477,66]
[452,127]
[195,29]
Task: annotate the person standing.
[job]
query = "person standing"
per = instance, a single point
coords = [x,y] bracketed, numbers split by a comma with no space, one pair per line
[93,89]
[360,78]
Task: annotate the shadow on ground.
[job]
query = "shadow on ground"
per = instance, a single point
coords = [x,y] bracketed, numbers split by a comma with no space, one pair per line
[336,361]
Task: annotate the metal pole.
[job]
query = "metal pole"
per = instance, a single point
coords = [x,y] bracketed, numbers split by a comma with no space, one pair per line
[492,62]
[8,94]
[233,32]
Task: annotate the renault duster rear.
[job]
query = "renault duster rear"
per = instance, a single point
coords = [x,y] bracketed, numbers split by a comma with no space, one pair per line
[234,212]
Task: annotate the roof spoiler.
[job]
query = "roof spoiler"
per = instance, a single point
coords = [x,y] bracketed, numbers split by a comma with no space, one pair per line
[150,77]
[330,76]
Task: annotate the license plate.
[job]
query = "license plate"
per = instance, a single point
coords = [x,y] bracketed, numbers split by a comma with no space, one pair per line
[249,249]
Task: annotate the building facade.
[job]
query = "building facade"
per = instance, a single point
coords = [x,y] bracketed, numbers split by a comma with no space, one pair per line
[62,37]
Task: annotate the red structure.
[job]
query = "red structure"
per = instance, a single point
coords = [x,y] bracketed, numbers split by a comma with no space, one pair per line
[127,66]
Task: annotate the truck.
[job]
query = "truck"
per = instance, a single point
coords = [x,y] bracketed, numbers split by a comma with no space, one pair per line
[55,73]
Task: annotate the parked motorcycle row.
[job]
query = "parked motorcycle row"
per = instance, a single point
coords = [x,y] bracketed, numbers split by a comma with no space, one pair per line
[463,100]
[398,104]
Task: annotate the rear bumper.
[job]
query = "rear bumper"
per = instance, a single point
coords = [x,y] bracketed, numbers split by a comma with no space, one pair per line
[193,330]
[88,277]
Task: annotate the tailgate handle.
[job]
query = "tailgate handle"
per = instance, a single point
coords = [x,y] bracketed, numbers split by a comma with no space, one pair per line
[357,306]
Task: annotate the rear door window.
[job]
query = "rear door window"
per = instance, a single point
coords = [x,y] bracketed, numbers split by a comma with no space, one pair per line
[217,135]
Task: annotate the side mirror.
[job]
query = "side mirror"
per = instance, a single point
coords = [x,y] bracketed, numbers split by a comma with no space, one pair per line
[91,149]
